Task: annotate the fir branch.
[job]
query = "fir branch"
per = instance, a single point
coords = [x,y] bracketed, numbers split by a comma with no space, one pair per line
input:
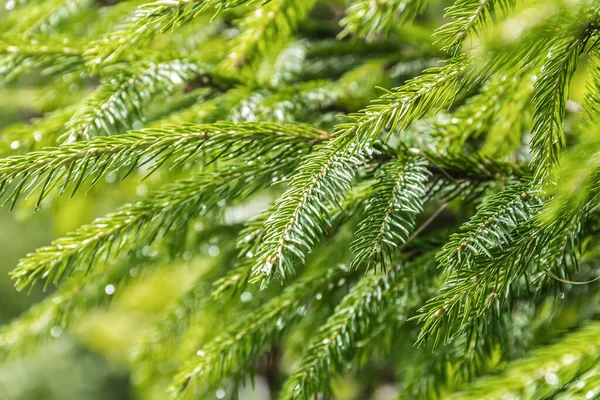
[150,19]
[363,311]
[251,237]
[234,351]
[324,177]
[398,108]
[370,19]
[266,28]
[48,319]
[301,215]
[19,56]
[535,247]
[526,241]
[394,203]
[544,372]
[468,16]
[33,135]
[144,221]
[549,99]
[73,164]
[119,102]
[490,226]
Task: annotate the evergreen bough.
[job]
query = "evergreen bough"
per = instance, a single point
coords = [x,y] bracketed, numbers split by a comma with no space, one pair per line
[440,212]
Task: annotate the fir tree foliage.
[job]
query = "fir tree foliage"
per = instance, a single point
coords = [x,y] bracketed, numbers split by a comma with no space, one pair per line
[426,179]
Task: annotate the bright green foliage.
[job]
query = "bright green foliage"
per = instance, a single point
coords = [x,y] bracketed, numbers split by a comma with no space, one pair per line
[549,99]
[263,29]
[117,104]
[396,199]
[373,305]
[18,57]
[252,335]
[370,19]
[468,16]
[346,193]
[544,372]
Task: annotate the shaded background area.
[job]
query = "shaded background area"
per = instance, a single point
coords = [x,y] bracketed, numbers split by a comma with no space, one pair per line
[65,369]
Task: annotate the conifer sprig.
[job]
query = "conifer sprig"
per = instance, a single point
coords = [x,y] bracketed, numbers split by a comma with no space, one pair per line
[150,20]
[397,109]
[394,203]
[535,248]
[19,56]
[143,221]
[74,164]
[468,16]
[238,347]
[326,175]
[549,100]
[302,214]
[372,19]
[265,27]
[121,101]
[544,372]
[375,298]
[491,226]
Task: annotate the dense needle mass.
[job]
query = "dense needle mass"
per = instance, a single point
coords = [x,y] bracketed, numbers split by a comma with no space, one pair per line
[346,197]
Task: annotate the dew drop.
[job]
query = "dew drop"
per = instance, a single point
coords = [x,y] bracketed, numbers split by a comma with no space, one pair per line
[551,378]
[109,289]
[110,177]
[213,251]
[267,268]
[56,331]
[246,297]
[141,190]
